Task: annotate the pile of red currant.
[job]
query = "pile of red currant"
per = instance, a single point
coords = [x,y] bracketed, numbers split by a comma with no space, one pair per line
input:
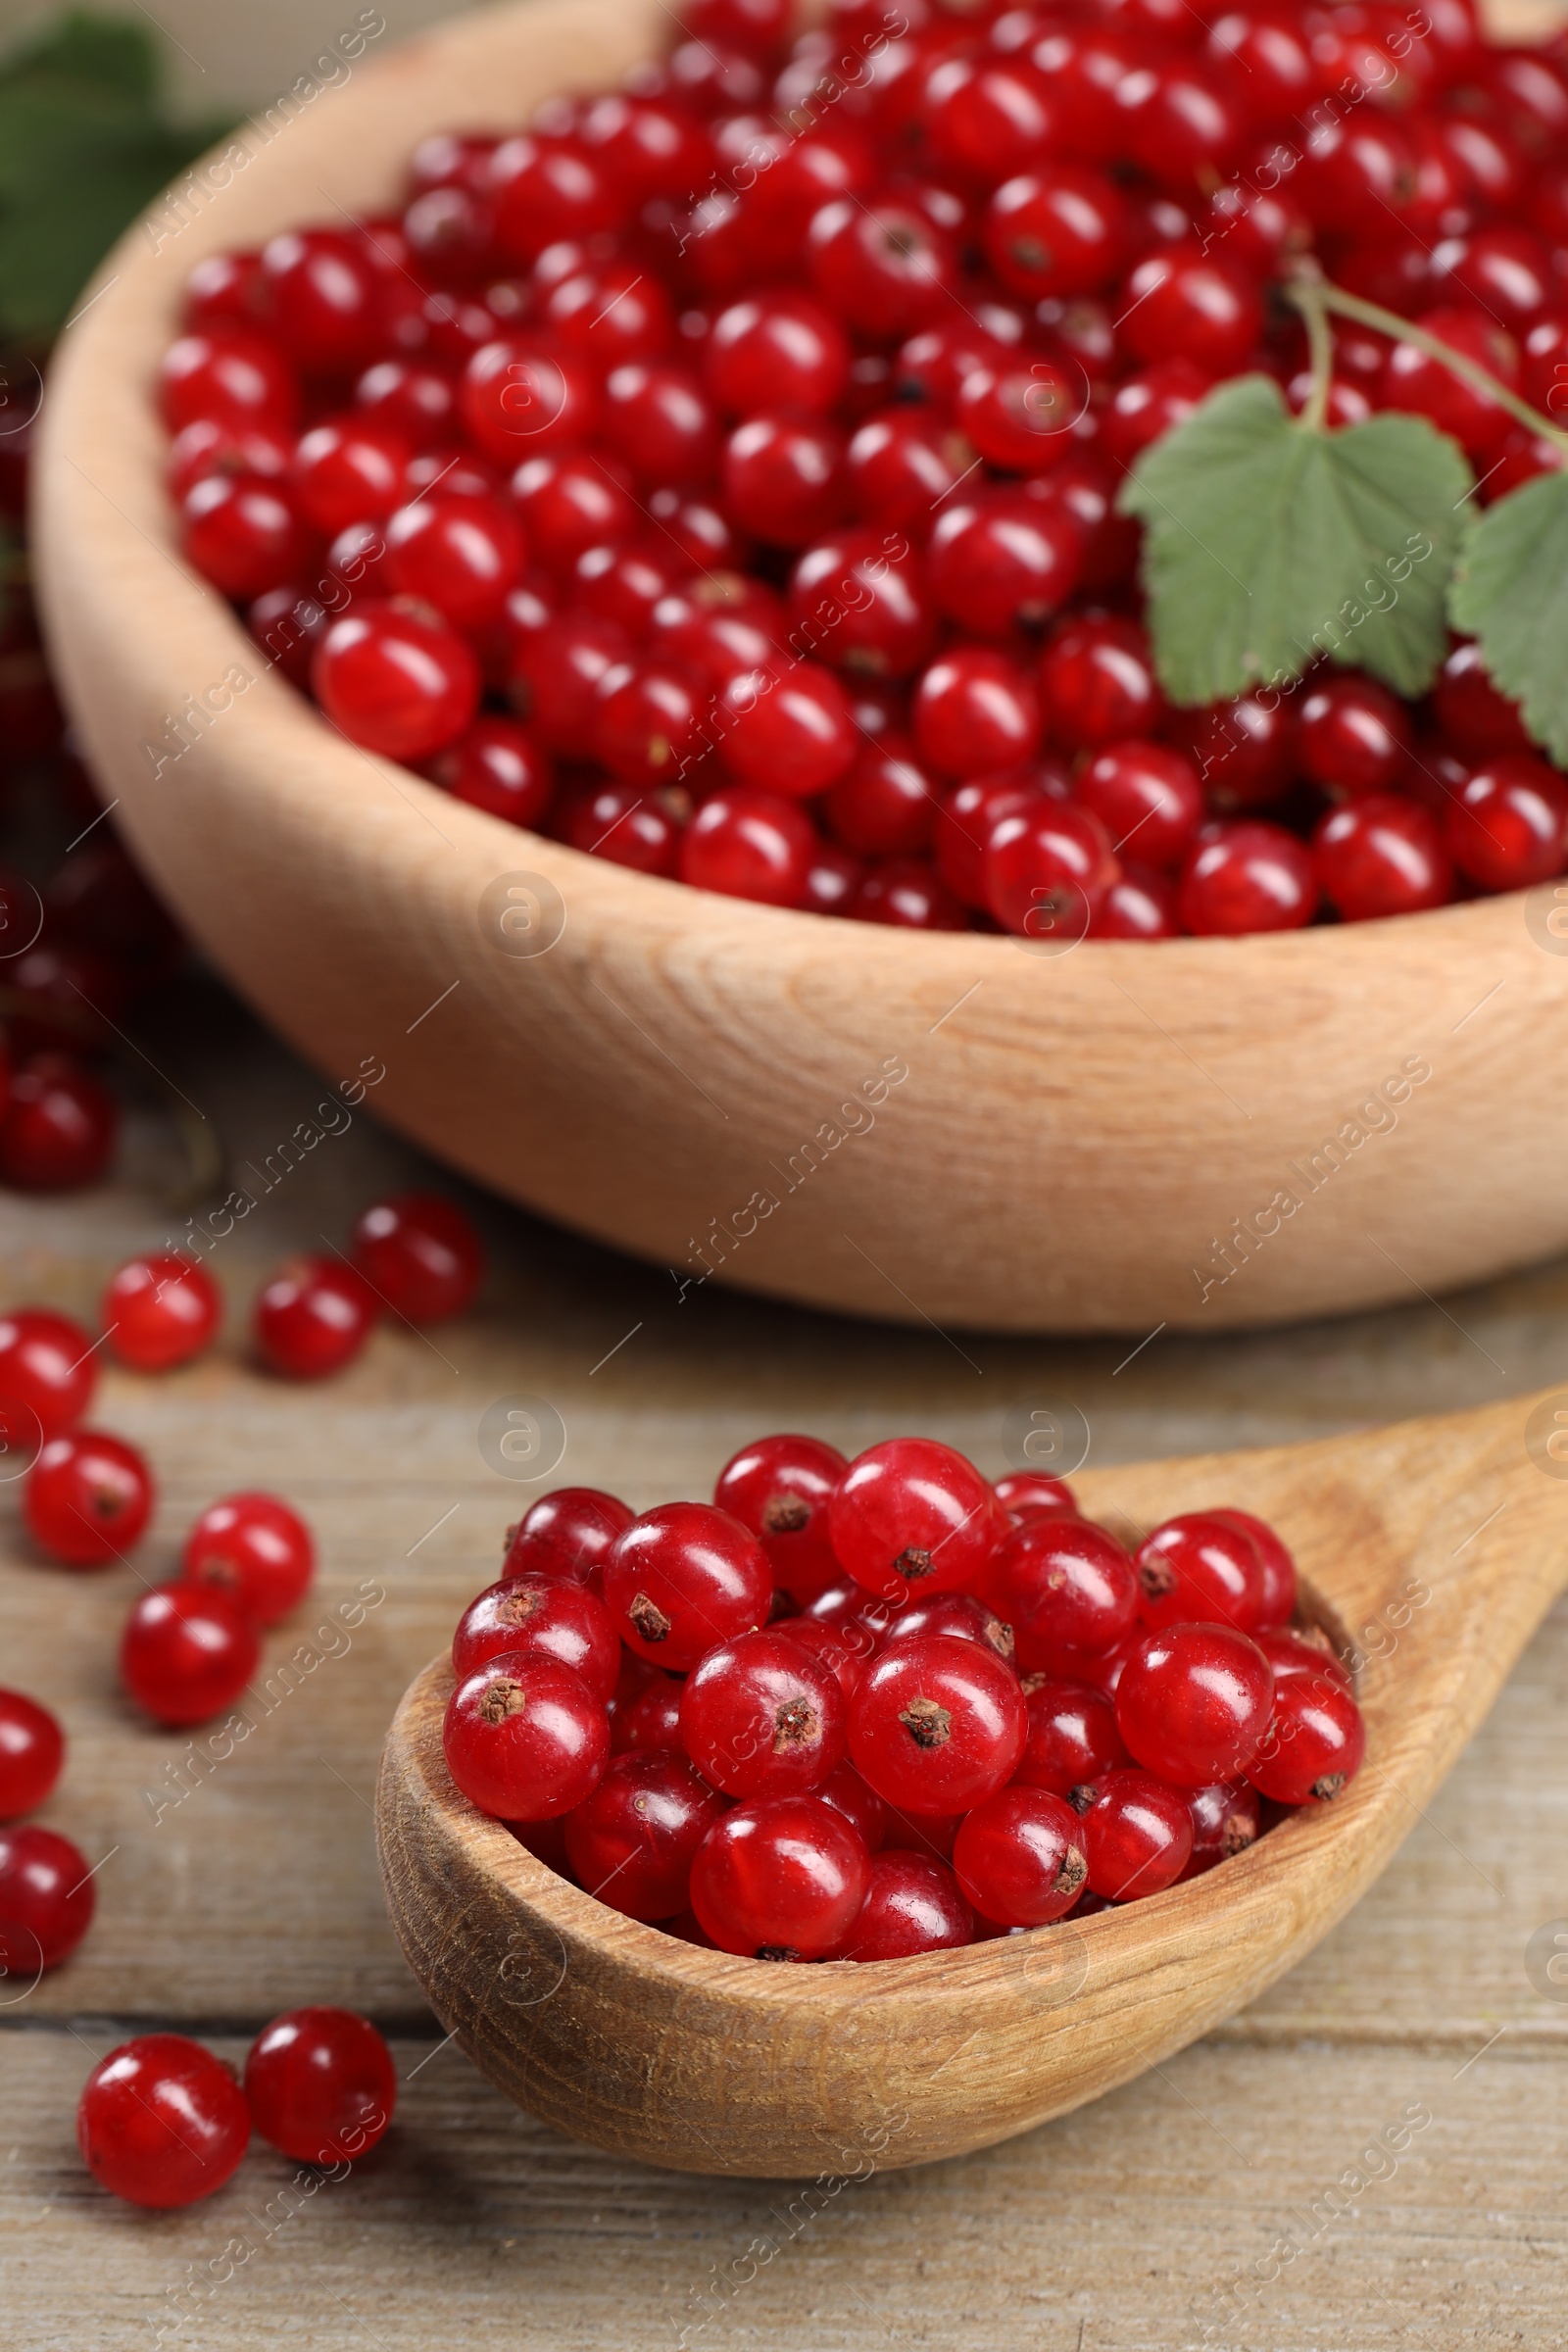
[856,1710]
[719,473]
[161,2122]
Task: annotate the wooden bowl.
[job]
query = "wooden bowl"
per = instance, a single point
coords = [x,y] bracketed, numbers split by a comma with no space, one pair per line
[1430,1550]
[953,1129]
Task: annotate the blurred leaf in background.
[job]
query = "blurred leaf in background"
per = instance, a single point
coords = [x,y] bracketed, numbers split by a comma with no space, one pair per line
[85,142]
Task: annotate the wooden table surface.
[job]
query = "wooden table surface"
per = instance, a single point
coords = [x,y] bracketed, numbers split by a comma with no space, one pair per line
[1227,2198]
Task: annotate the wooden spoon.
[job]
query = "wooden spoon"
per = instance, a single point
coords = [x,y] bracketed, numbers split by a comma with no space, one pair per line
[1430,1552]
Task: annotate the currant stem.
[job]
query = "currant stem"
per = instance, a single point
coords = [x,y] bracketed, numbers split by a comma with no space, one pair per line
[1307,296]
[1315,297]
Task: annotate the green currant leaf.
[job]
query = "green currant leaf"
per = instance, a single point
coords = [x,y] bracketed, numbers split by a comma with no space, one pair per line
[94,49]
[1269,542]
[1511,593]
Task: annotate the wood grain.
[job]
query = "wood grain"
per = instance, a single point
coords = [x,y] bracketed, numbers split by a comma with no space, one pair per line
[1073,1138]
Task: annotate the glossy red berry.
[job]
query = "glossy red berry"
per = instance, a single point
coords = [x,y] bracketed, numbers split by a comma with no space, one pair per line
[47,1374]
[682,1577]
[420,1254]
[1475,718]
[349,470]
[1413,381]
[525,1737]
[1140,904]
[783,477]
[1062,229]
[567,1532]
[1019,410]
[913,1904]
[909,895]
[1193,1701]
[629,824]
[320,298]
[160,1311]
[1146,406]
[395,682]
[860,600]
[1072,1739]
[255,1549]
[1180,303]
[859,1805]
[782,1878]
[32,1749]
[881,264]
[761,1716]
[499,767]
[460,556]
[975,710]
[320,2085]
[161,2122]
[58,1127]
[910,1517]
[1137,1836]
[1506,827]
[1315,1742]
[1000,560]
[1068,1591]
[313,1317]
[632,1842]
[780,1488]
[1380,854]
[546,190]
[1020,1858]
[1045,869]
[1226,1820]
[1098,684]
[749,844]
[233,377]
[609,313]
[47,1898]
[935,1725]
[1290,1652]
[969,812]
[651,1717]
[240,531]
[1023,1493]
[776,350]
[540,1616]
[1278,1603]
[1353,735]
[959,1616]
[786,729]
[520,398]
[187,1652]
[898,463]
[87,1498]
[1147,796]
[1199,1570]
[656,417]
[1246,876]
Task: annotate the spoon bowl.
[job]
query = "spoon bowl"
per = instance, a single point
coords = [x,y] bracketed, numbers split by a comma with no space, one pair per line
[1429,1551]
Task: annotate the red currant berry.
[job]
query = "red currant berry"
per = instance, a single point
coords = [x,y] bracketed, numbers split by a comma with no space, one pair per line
[1147,796]
[959,1616]
[313,1317]
[32,1749]
[87,1498]
[834,881]
[1138,905]
[1354,736]
[1380,854]
[846,1645]
[913,1904]
[499,767]
[1003,559]
[783,479]
[627,824]
[349,470]
[780,1488]
[970,812]
[859,599]
[1290,1652]
[1068,1591]
[161,2122]
[1072,1741]
[1098,684]
[657,419]
[749,844]
[567,1532]
[320,2085]
[161,1311]
[569,502]
[778,350]
[1062,229]
[632,1842]
[241,533]
[652,1718]
[886,806]
[1413,381]
[762,1716]
[221,291]
[913,1515]
[1137,1837]
[611,314]
[1018,412]
[683,1577]
[1045,868]
[782,1878]
[234,377]
[975,710]
[1020,1858]
[58,1128]
[909,895]
[848,1793]
[1246,876]
[1024,1492]
[1473,716]
[187,1652]
[254,1548]
[881,264]
[420,1254]
[47,1374]
[1226,1820]
[648,726]
[1278,1604]
[1180,303]
[786,729]
[318,293]
[394,682]
[1193,1701]
[899,462]
[416,401]
[46,1901]
[1148,406]
[460,555]
[1506,827]
[1315,1742]
[937,1724]
[540,1616]
[546,190]
[519,399]
[525,1737]
[1199,1570]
